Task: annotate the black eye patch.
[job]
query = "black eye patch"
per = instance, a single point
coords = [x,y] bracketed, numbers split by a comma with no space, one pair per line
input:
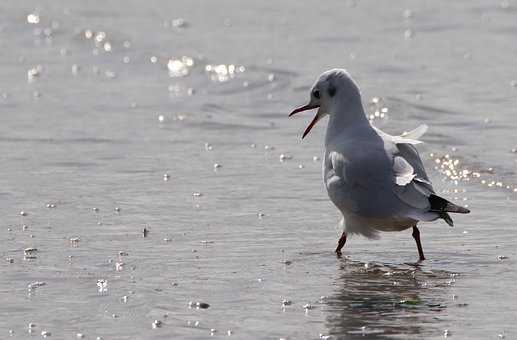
[332,91]
[316,94]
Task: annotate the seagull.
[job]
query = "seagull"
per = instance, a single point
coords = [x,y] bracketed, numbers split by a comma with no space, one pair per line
[376,180]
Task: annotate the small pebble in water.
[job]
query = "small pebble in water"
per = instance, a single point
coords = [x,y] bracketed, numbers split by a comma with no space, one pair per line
[96,210]
[117,209]
[9,260]
[217,166]
[25,227]
[35,284]
[157,324]
[286,302]
[145,231]
[213,331]
[325,337]
[502,257]
[166,177]
[315,158]
[119,266]
[103,285]
[11,332]
[307,306]
[45,334]
[125,298]
[79,335]
[197,194]
[74,241]
[446,333]
[23,213]
[208,146]
[30,251]
[261,215]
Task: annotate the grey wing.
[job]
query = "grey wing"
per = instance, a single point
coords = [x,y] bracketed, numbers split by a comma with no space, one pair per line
[416,191]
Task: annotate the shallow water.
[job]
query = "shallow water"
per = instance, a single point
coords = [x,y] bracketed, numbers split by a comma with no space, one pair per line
[105,134]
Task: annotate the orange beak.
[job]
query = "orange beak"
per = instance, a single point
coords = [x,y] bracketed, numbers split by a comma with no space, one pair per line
[314,120]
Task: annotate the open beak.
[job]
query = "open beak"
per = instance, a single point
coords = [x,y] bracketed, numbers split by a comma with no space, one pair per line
[314,120]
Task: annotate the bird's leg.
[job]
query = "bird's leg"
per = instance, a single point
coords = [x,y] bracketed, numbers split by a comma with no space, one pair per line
[341,243]
[416,236]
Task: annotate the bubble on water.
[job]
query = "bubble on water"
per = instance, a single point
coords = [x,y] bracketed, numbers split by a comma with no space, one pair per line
[325,337]
[286,302]
[9,260]
[260,215]
[208,146]
[153,59]
[157,324]
[100,37]
[513,83]
[446,333]
[407,13]
[88,34]
[217,166]
[271,77]
[213,331]
[166,177]
[502,257]
[307,306]
[161,118]
[107,46]
[229,332]
[125,298]
[408,34]
[119,266]
[45,333]
[33,18]
[197,194]
[79,335]
[126,44]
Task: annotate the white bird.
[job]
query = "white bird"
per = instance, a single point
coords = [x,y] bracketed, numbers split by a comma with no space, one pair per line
[376,180]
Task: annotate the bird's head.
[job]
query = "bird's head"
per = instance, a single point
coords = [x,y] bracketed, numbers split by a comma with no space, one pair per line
[334,89]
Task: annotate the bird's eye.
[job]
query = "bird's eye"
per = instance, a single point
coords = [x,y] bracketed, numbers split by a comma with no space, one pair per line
[332,91]
[316,94]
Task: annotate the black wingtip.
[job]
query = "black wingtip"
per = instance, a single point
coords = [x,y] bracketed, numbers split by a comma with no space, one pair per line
[439,205]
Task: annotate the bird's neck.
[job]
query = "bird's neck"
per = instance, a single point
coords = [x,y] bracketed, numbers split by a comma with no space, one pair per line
[346,116]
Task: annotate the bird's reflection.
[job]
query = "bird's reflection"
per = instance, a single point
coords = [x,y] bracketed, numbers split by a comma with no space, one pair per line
[376,301]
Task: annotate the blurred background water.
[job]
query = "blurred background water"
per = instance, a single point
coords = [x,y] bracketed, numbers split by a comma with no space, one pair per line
[171,116]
